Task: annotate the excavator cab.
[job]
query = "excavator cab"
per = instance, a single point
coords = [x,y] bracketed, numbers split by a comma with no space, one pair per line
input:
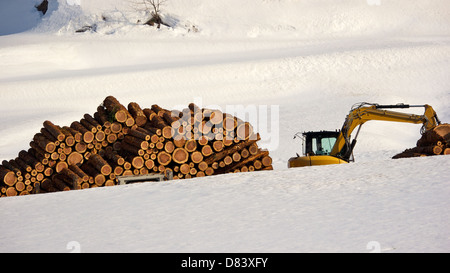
[316,148]
[319,143]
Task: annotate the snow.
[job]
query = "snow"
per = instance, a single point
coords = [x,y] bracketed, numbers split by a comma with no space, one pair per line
[304,62]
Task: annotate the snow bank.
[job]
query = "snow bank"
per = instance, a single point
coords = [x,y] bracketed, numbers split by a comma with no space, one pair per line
[319,209]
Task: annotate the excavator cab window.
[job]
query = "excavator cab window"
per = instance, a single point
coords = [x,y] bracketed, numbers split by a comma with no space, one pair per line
[319,143]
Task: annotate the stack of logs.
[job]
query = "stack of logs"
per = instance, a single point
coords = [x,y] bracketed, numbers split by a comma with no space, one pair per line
[432,142]
[118,141]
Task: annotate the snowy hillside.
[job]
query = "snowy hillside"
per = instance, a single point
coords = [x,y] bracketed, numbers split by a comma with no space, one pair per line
[304,62]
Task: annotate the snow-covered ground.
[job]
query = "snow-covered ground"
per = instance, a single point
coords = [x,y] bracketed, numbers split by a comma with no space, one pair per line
[305,62]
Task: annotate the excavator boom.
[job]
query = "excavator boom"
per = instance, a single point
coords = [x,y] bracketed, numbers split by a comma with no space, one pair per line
[342,149]
[364,112]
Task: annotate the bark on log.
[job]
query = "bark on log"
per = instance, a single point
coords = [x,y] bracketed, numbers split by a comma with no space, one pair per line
[118,111]
[93,122]
[230,168]
[12,167]
[232,149]
[139,134]
[78,136]
[88,136]
[54,130]
[102,117]
[44,143]
[136,142]
[69,139]
[78,171]
[137,113]
[131,149]
[100,164]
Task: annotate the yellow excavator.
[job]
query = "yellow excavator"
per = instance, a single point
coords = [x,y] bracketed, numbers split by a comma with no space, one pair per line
[336,147]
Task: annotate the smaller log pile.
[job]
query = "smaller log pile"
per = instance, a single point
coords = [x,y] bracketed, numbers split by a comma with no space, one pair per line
[432,142]
[119,141]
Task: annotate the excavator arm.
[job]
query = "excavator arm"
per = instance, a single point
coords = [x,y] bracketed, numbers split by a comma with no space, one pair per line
[364,112]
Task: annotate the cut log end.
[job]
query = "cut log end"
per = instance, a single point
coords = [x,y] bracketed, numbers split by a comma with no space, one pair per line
[180,155]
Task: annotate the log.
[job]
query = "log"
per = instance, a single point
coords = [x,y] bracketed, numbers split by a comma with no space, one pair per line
[100,136]
[111,138]
[140,134]
[218,145]
[59,183]
[164,158]
[12,167]
[180,155]
[229,123]
[54,130]
[266,161]
[442,130]
[230,168]
[100,164]
[88,136]
[207,150]
[430,150]
[446,151]
[184,168]
[137,113]
[149,164]
[7,176]
[190,145]
[116,127]
[244,131]
[216,117]
[131,149]
[118,111]
[137,162]
[71,177]
[60,166]
[196,157]
[69,138]
[202,166]
[76,134]
[209,171]
[172,118]
[232,149]
[44,143]
[11,191]
[75,158]
[447,139]
[38,151]
[79,172]
[102,117]
[98,178]
[236,156]
[136,142]
[93,122]
[23,166]
[20,186]
[88,126]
